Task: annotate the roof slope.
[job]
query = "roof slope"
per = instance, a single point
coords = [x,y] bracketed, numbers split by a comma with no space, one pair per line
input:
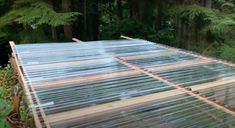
[124,83]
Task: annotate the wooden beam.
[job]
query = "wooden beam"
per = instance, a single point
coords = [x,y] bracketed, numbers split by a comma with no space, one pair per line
[77,40]
[21,79]
[126,37]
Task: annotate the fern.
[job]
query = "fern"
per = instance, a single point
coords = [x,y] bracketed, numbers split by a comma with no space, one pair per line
[36,12]
[193,12]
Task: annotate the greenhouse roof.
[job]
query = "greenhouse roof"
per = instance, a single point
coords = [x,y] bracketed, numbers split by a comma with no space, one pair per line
[124,83]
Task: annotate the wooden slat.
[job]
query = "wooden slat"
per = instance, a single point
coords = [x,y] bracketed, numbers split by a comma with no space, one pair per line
[21,78]
[77,40]
[126,37]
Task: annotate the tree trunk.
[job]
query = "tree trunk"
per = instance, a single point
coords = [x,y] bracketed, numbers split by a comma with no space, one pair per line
[53,29]
[90,20]
[208,3]
[67,7]
[54,33]
[134,9]
[119,9]
[159,15]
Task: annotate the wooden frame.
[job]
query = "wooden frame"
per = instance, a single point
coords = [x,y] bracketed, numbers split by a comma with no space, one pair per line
[84,113]
[31,97]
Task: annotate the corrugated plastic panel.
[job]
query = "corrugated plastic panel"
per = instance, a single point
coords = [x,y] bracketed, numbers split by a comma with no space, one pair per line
[126,84]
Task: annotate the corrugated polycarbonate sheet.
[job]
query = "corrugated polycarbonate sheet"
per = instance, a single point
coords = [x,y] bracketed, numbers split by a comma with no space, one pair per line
[37,75]
[183,112]
[99,92]
[223,95]
[199,74]
[65,52]
[72,78]
[162,60]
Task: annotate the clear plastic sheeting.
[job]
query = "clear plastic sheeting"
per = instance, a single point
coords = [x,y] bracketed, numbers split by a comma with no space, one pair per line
[183,112]
[65,52]
[125,84]
[199,74]
[162,60]
[100,92]
[223,95]
[37,75]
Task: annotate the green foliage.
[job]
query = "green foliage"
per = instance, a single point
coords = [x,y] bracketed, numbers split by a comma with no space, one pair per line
[215,26]
[166,36]
[228,51]
[5,109]
[5,95]
[222,28]
[33,35]
[36,12]
[188,13]
[186,24]
[128,27]
[136,29]
[6,83]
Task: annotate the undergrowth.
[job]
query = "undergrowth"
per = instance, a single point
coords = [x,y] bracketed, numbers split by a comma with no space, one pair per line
[8,82]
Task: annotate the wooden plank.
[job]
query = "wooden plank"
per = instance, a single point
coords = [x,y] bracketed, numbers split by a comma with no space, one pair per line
[83,80]
[126,37]
[77,40]
[108,107]
[16,64]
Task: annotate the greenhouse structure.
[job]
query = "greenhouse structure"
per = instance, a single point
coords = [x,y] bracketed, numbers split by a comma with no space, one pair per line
[124,84]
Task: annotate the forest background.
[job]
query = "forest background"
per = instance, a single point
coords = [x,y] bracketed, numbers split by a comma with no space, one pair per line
[203,26]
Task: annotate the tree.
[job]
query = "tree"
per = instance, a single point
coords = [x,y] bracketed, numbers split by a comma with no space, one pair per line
[33,14]
[67,7]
